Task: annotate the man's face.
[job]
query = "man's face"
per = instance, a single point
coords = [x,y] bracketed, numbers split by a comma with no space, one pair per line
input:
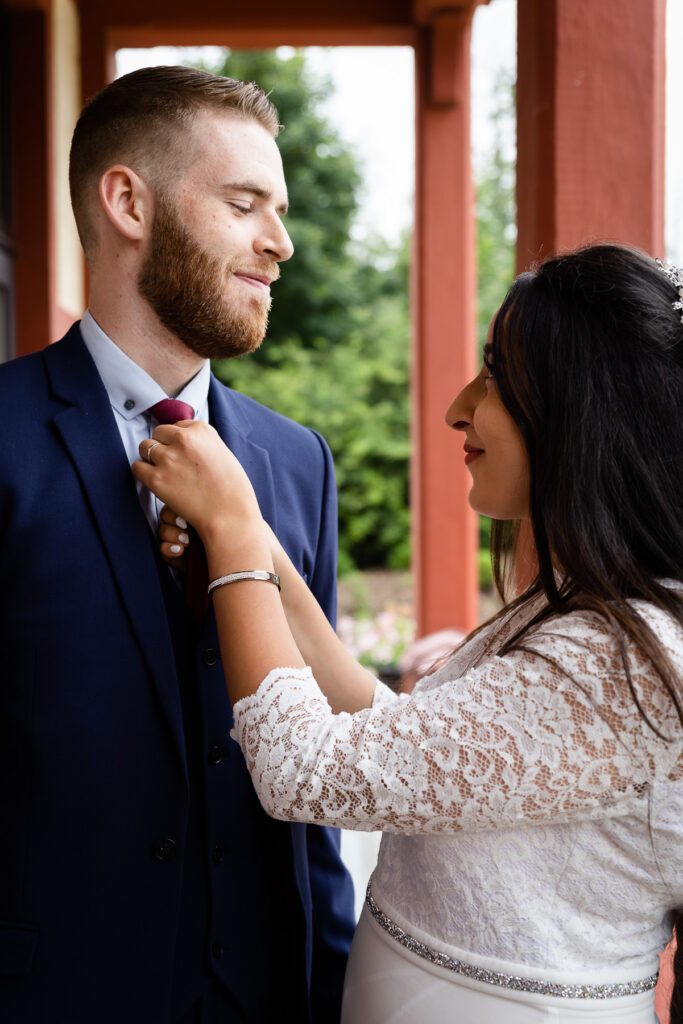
[217,239]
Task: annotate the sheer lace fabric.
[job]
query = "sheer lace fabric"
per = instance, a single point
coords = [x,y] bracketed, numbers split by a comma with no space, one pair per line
[533,815]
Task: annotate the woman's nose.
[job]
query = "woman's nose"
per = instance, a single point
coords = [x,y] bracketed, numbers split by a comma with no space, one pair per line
[459,412]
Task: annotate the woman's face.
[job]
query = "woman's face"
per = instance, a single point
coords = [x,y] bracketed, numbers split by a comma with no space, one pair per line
[494,450]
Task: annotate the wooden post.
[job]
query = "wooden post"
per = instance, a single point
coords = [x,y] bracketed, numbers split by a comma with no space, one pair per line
[444,527]
[590,129]
[590,115]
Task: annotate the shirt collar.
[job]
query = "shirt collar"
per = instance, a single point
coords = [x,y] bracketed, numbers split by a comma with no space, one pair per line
[131,390]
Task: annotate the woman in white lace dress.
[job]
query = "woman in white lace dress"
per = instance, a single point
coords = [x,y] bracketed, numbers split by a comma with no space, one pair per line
[531,790]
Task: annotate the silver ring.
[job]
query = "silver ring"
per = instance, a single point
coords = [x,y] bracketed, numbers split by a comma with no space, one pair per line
[149,450]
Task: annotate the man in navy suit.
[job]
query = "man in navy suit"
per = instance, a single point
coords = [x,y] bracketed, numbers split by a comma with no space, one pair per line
[140,879]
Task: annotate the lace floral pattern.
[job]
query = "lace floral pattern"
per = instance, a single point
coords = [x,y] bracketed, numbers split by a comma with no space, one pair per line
[518,788]
[512,739]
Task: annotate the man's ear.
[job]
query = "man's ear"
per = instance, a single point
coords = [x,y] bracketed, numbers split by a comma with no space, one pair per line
[127,201]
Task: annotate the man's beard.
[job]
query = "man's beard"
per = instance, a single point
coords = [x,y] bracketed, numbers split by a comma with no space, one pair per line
[186,288]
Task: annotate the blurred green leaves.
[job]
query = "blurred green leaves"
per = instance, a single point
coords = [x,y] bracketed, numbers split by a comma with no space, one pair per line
[337,354]
[336,357]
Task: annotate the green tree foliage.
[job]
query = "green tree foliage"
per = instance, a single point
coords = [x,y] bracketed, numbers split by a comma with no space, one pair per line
[355,393]
[323,180]
[336,357]
[496,211]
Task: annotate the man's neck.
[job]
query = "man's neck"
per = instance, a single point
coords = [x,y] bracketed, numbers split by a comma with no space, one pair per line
[149,344]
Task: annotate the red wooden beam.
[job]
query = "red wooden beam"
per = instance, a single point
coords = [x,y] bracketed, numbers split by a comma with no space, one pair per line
[590,109]
[444,527]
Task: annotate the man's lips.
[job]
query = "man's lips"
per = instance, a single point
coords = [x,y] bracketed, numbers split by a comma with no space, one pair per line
[256,280]
[472,453]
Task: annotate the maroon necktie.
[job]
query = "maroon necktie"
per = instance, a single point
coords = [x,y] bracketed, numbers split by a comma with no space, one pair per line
[169,410]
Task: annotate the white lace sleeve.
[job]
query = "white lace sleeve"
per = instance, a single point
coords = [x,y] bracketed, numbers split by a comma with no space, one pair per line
[515,738]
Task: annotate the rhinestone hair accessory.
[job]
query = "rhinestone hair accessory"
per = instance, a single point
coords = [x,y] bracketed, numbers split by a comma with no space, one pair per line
[675,275]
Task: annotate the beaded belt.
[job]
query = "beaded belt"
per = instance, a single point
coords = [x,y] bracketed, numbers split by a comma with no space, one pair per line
[511,981]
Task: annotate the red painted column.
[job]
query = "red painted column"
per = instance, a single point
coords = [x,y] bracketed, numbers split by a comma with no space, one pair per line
[98,56]
[590,109]
[590,127]
[444,527]
[31,172]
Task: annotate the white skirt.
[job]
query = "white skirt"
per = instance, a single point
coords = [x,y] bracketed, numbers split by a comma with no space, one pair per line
[389,984]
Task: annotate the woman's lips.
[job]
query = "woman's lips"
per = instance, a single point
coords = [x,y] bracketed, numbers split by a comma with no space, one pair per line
[472,453]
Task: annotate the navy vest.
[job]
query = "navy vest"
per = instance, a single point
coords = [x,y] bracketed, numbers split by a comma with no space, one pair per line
[226,828]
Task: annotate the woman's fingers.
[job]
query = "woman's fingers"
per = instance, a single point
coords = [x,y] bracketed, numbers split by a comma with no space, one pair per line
[162,436]
[175,539]
[177,561]
[168,515]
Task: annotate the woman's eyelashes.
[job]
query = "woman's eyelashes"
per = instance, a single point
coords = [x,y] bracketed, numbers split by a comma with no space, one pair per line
[488,363]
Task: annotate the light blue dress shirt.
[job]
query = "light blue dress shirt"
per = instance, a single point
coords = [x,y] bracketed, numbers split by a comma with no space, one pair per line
[131,392]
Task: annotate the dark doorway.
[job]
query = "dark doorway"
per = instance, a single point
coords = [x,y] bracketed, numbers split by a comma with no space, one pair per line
[6,243]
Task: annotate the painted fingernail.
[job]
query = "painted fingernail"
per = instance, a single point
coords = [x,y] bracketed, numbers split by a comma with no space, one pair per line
[179,521]
[184,538]
[176,549]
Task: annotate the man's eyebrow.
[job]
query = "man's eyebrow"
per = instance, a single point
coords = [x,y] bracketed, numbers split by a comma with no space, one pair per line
[255,190]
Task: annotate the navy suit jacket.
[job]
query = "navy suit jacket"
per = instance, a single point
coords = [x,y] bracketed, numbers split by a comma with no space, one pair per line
[93,761]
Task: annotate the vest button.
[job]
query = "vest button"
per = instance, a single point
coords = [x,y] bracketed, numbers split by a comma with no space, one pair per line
[215,756]
[218,854]
[216,951]
[164,850]
[210,657]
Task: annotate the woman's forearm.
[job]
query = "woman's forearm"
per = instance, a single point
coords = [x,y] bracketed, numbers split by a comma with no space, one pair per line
[201,482]
[252,628]
[261,629]
[345,683]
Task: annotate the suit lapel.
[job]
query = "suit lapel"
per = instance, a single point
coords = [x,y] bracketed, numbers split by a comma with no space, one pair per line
[91,438]
[233,426]
[229,419]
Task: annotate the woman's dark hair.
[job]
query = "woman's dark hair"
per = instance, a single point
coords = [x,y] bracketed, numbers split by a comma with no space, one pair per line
[587,352]
[676,1007]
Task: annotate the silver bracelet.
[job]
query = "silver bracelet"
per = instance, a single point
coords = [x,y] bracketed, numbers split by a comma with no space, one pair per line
[249,574]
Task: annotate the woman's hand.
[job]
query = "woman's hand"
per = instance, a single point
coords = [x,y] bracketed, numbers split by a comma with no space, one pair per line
[192,471]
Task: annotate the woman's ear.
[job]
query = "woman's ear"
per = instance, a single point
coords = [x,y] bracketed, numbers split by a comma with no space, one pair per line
[127,201]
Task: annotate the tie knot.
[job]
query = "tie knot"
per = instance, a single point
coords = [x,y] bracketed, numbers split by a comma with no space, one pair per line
[169,410]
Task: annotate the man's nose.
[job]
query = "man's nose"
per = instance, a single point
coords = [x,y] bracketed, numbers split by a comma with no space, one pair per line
[275,242]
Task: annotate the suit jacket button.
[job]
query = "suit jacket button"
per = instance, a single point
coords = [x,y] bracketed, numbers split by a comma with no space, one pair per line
[215,755]
[217,854]
[216,951]
[164,850]
[210,657]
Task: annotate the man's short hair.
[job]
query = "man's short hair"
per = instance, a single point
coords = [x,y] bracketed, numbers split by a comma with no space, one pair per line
[142,120]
